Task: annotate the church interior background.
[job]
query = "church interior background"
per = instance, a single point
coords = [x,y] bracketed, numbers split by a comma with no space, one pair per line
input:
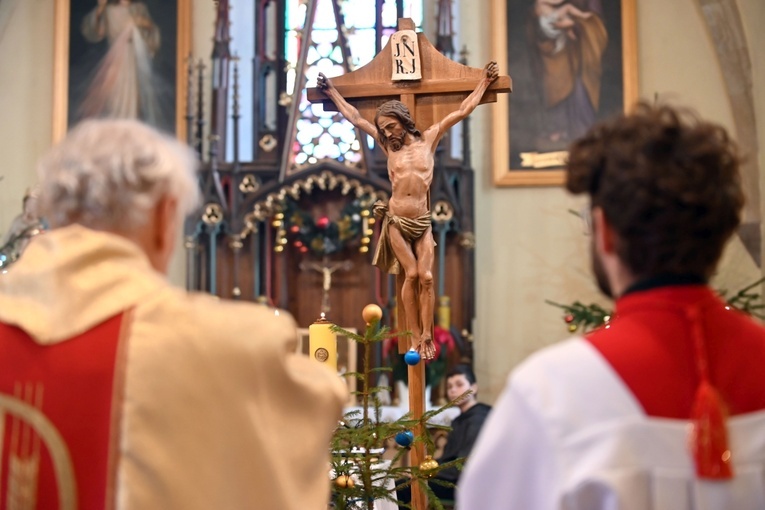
[290,224]
[288,188]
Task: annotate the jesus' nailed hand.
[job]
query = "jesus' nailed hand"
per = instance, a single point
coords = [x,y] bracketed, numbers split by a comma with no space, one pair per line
[406,240]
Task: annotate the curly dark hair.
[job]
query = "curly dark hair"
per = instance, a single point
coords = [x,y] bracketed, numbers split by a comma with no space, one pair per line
[397,109]
[667,182]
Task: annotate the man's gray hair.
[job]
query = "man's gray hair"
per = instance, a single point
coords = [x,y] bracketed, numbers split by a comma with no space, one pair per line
[110,174]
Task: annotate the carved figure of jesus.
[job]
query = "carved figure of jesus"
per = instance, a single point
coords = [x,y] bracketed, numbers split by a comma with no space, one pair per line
[326,271]
[406,241]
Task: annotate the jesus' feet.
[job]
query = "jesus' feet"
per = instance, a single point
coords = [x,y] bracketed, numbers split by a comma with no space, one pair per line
[426,348]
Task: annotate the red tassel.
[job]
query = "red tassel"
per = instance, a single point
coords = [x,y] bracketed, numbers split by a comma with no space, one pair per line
[709,436]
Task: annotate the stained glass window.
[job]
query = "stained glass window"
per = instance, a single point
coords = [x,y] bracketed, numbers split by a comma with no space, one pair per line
[323,134]
[324,55]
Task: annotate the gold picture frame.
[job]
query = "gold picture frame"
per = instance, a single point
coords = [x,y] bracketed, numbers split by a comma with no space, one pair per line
[72,68]
[542,167]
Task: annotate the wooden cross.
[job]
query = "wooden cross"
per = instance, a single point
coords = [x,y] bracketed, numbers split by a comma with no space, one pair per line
[443,86]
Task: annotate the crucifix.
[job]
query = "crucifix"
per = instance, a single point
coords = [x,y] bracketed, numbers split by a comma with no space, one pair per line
[326,269]
[407,98]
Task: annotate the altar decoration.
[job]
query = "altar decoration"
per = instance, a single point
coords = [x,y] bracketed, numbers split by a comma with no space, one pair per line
[323,236]
[322,343]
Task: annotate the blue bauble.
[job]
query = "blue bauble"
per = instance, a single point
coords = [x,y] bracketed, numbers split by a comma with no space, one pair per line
[412,357]
[405,438]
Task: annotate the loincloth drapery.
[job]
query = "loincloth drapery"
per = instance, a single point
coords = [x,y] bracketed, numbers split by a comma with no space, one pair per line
[411,229]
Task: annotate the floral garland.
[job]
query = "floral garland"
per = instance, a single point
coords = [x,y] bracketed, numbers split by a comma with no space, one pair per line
[322,236]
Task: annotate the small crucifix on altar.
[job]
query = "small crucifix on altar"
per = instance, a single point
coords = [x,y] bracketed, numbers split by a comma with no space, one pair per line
[407,98]
[326,269]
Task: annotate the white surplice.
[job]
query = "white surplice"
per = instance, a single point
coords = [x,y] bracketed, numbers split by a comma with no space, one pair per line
[559,440]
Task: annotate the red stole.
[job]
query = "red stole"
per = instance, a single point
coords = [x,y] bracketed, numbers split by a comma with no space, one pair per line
[59,417]
[649,344]
[685,355]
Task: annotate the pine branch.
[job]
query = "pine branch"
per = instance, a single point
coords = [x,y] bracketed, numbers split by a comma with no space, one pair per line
[583,317]
[747,301]
[580,316]
[359,440]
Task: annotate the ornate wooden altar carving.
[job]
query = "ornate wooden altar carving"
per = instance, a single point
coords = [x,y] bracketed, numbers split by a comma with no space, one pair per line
[233,246]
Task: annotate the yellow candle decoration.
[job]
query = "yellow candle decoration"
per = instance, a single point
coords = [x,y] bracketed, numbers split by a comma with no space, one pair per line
[322,343]
[444,312]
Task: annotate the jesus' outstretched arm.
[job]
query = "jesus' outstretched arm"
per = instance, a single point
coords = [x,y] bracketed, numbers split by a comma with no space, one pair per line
[490,73]
[349,111]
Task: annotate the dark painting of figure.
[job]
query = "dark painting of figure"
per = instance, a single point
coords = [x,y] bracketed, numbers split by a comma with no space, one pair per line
[565,57]
[122,60]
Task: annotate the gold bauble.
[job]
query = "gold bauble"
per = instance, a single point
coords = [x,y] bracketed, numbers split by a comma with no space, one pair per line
[428,467]
[364,249]
[371,313]
[572,327]
[344,481]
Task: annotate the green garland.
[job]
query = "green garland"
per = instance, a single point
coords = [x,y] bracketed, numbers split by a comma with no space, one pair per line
[321,236]
[583,317]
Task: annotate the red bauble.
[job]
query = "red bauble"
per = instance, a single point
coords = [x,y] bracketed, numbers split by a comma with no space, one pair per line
[322,222]
[569,319]
[294,229]
[303,249]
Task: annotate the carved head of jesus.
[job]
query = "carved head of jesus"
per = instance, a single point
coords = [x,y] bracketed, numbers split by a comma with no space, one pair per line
[392,136]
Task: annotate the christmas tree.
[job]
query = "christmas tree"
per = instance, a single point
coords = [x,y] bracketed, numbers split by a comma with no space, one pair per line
[359,473]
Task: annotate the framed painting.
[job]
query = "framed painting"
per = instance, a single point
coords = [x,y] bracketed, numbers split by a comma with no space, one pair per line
[573,63]
[123,59]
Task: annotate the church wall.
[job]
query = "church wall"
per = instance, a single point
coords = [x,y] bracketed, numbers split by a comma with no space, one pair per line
[529,247]
[26,96]
[753,14]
